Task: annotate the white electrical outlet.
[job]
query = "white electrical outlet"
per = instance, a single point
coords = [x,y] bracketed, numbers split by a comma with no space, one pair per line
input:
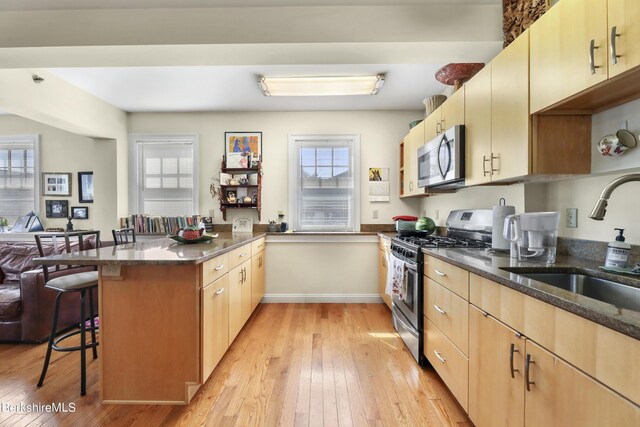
[374,214]
[111,271]
[572,218]
[436,214]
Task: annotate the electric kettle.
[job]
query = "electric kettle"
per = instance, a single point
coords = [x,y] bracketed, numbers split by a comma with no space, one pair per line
[535,235]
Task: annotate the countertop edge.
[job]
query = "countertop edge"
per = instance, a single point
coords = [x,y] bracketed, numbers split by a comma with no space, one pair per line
[617,325]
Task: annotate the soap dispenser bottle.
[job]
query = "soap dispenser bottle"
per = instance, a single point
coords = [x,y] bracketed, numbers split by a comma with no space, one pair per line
[617,251]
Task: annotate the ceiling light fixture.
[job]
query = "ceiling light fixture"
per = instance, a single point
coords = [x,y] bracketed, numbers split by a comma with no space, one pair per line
[37,79]
[321,85]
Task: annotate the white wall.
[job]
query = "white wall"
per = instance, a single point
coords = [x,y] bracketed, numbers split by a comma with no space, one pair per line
[62,151]
[380,133]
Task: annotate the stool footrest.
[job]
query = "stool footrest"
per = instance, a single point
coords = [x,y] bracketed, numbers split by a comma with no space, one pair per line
[56,347]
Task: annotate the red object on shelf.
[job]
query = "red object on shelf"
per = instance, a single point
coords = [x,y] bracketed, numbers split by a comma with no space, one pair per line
[457,73]
[405,218]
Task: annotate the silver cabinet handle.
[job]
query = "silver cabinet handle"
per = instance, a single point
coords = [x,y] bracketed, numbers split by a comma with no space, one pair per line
[244,274]
[439,273]
[442,359]
[527,364]
[441,311]
[513,350]
[442,126]
[484,165]
[242,255]
[220,267]
[219,291]
[614,55]
[241,277]
[438,127]
[592,60]
[492,159]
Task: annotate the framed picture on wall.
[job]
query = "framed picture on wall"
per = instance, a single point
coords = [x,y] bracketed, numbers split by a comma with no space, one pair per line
[242,149]
[56,184]
[57,208]
[85,187]
[80,212]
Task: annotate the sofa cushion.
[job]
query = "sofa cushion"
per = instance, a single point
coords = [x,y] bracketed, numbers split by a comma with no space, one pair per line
[9,301]
[16,259]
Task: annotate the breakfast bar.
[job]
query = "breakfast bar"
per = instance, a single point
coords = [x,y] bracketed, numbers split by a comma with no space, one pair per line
[169,311]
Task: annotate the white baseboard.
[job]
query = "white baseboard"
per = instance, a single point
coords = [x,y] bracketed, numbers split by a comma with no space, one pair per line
[328,298]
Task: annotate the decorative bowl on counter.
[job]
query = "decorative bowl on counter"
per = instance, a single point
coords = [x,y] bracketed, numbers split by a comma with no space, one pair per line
[201,239]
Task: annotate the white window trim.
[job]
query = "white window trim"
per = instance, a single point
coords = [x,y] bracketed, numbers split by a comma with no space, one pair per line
[136,138]
[35,140]
[293,192]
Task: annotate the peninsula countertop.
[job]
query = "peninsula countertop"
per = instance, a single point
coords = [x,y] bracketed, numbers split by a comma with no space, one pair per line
[157,251]
[492,266]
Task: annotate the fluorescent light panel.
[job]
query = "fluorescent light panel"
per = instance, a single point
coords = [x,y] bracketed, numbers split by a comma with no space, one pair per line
[321,86]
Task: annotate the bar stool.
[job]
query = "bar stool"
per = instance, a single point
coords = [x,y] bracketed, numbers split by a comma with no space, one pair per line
[57,244]
[124,235]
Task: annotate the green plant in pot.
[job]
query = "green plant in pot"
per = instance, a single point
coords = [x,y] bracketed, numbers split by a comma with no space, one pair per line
[4,224]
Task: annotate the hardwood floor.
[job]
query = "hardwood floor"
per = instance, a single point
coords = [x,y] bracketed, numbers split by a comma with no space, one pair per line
[292,365]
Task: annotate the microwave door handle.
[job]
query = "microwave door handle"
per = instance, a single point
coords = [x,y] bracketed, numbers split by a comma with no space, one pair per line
[443,173]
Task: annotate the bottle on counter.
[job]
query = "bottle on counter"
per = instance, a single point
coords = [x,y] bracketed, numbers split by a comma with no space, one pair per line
[617,251]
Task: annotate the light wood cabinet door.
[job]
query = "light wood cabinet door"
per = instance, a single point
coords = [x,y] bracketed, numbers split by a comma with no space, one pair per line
[477,115]
[411,143]
[448,312]
[432,125]
[496,376]
[246,304]
[560,50]
[215,324]
[560,395]
[236,280]
[510,121]
[382,277]
[624,41]
[257,279]
[452,110]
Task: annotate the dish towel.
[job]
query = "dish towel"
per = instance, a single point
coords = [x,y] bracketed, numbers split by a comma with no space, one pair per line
[396,283]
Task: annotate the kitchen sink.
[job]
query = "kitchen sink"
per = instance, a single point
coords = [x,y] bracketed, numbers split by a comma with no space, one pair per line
[613,293]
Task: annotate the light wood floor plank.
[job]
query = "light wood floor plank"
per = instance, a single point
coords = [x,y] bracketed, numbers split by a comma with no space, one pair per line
[291,365]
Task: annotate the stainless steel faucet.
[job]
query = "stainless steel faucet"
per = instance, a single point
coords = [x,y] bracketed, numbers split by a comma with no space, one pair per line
[600,209]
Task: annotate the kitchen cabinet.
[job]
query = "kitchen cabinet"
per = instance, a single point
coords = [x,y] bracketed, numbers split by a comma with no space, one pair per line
[624,35]
[412,141]
[236,281]
[496,377]
[557,394]
[257,279]
[450,113]
[477,114]
[568,51]
[215,324]
[448,312]
[383,256]
[432,124]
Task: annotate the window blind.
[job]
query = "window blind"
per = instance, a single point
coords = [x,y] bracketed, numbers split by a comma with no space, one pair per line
[18,176]
[323,190]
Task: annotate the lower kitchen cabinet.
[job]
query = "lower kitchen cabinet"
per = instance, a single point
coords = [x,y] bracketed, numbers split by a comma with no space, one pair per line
[382,277]
[496,377]
[215,324]
[557,394]
[236,280]
[257,279]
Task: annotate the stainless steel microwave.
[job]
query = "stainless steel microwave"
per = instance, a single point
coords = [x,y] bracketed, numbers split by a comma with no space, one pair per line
[441,160]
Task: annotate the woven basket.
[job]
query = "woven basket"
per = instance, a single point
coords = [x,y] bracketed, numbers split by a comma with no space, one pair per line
[434,102]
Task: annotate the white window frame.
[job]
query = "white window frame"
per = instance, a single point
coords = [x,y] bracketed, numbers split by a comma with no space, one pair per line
[295,140]
[35,140]
[154,138]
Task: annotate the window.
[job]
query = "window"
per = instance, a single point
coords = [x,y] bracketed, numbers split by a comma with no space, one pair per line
[323,195]
[19,176]
[165,170]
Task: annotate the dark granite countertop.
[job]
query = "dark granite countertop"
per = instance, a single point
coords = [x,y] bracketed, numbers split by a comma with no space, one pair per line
[489,265]
[156,251]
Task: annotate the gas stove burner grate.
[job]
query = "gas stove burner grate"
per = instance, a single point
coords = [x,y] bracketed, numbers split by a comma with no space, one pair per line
[444,242]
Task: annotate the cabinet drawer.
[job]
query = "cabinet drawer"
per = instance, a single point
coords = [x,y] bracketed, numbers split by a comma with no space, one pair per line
[501,302]
[449,313]
[451,277]
[214,269]
[257,246]
[239,255]
[449,363]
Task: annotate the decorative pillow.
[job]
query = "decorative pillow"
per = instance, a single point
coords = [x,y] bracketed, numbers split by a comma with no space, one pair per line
[17,260]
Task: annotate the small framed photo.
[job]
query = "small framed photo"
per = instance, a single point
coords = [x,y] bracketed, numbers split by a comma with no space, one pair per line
[242,149]
[85,187]
[80,212]
[57,208]
[56,184]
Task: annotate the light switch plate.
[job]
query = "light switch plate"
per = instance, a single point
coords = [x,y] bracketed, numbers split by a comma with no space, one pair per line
[572,218]
[374,214]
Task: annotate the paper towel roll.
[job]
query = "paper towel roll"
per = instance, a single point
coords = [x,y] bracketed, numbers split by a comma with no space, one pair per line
[499,214]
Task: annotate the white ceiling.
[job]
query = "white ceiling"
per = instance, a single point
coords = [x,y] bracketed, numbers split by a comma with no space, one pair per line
[222,76]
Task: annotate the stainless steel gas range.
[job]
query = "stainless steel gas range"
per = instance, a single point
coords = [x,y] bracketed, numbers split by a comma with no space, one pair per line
[465,229]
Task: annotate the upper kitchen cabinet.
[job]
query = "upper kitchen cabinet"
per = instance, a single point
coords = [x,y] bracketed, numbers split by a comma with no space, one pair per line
[624,35]
[449,114]
[585,56]
[412,141]
[477,113]
[568,51]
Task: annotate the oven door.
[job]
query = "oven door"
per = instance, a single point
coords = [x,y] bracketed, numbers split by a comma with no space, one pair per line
[409,306]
